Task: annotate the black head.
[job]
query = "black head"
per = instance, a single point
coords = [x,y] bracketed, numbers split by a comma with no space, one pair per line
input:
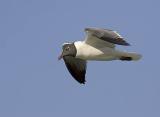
[69,49]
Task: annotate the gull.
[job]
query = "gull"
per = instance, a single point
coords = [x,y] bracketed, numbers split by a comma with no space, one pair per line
[99,45]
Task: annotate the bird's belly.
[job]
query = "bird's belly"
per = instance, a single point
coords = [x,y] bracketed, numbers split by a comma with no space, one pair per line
[100,58]
[91,53]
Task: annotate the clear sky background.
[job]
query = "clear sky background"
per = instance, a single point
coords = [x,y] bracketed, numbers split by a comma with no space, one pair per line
[33,83]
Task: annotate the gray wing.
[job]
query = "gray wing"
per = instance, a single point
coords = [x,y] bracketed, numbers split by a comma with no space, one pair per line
[106,35]
[76,67]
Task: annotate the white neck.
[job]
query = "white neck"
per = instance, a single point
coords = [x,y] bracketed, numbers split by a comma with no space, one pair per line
[78,45]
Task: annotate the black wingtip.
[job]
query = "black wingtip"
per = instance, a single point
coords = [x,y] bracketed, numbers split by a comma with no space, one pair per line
[127,44]
[124,58]
[121,41]
[81,82]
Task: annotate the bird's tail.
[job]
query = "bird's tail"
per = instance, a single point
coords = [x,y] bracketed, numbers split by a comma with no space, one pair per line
[128,56]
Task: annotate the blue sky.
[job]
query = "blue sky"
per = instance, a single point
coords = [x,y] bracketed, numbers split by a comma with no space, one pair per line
[34,83]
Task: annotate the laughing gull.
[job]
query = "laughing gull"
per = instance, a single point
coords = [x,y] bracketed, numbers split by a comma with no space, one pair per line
[99,45]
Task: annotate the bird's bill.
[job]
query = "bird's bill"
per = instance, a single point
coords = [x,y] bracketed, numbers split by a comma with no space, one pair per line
[60,57]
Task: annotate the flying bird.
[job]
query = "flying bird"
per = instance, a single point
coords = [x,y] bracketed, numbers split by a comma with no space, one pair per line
[99,45]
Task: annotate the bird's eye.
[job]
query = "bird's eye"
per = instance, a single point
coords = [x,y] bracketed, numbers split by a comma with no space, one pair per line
[67,48]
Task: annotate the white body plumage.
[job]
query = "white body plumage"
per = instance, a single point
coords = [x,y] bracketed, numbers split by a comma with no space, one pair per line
[87,52]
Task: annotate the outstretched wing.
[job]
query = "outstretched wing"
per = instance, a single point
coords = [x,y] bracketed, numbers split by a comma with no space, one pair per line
[76,67]
[105,37]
